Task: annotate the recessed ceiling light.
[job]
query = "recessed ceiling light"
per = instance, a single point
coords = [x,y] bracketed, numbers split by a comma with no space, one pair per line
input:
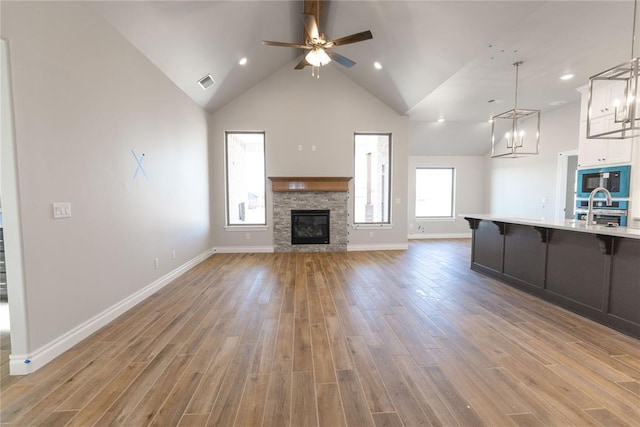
[206,81]
[377,65]
[440,119]
[242,61]
[566,77]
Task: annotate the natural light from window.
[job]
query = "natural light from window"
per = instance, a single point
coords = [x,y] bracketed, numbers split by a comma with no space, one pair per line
[372,178]
[434,192]
[245,165]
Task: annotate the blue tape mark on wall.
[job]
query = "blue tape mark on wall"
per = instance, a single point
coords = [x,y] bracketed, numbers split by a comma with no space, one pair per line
[139,168]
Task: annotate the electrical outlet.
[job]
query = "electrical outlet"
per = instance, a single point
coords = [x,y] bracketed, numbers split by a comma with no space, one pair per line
[61,210]
[156,263]
[173,254]
[247,236]
[313,148]
[371,234]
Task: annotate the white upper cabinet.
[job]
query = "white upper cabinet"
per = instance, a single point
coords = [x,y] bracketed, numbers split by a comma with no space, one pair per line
[605,98]
[601,152]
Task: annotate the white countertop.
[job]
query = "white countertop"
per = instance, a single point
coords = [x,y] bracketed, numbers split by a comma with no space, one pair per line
[562,224]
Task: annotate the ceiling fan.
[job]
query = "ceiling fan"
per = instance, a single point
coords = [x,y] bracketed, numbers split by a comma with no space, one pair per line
[318,44]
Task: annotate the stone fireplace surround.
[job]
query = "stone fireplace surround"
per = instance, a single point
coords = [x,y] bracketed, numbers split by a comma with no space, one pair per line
[291,193]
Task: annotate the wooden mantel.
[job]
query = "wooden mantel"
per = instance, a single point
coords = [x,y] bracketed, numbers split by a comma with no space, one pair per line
[309,183]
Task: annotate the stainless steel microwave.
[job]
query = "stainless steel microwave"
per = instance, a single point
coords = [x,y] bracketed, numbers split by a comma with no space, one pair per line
[616,179]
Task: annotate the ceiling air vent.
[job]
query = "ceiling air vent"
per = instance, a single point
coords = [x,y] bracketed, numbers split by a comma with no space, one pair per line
[206,81]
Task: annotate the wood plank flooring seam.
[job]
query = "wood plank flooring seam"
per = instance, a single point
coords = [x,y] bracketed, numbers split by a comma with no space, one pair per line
[269,339]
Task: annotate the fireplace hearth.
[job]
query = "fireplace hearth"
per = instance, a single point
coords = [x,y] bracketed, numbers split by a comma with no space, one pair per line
[310,226]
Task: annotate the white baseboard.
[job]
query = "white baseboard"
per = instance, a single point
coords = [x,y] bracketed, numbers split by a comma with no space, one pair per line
[22,364]
[381,247]
[418,236]
[243,249]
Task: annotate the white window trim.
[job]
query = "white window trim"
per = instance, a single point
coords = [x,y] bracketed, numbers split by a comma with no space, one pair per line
[243,227]
[435,219]
[453,197]
[372,226]
[234,228]
[379,225]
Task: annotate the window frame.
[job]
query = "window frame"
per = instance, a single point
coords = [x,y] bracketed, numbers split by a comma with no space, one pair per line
[453,194]
[388,181]
[228,224]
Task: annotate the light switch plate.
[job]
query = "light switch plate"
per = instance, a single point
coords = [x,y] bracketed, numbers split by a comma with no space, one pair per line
[61,210]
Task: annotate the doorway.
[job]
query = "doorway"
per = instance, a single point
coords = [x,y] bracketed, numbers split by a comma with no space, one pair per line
[14,312]
[570,196]
[566,184]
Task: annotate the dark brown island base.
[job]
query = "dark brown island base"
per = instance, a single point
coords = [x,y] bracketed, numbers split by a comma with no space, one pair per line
[591,270]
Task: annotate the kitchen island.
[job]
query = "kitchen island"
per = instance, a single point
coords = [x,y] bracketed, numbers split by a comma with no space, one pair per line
[591,270]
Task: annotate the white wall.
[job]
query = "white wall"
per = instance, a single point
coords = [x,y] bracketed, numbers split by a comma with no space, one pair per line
[84,98]
[526,186]
[469,195]
[293,108]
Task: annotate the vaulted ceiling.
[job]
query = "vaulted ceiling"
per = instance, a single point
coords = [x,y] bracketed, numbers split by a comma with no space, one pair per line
[450,59]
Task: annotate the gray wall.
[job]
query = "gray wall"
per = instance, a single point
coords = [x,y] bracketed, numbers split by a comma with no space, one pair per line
[83,99]
[293,108]
[520,186]
[470,195]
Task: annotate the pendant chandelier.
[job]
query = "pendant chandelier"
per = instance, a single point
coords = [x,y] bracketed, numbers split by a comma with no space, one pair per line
[613,98]
[515,133]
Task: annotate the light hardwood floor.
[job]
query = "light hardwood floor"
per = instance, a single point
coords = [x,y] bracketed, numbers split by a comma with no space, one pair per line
[359,339]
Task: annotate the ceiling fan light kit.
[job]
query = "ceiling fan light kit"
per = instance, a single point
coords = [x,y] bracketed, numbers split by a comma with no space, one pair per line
[616,92]
[517,131]
[317,57]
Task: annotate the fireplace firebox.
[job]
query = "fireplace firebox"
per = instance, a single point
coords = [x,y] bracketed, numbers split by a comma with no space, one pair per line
[310,227]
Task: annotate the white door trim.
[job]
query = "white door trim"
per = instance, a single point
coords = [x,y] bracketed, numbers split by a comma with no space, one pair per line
[561,183]
[11,219]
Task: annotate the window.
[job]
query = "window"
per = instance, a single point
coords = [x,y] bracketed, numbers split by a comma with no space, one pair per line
[372,178]
[245,166]
[434,192]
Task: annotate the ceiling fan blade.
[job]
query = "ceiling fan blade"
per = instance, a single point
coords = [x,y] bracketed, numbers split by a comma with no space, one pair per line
[311,27]
[303,63]
[353,38]
[282,44]
[342,60]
